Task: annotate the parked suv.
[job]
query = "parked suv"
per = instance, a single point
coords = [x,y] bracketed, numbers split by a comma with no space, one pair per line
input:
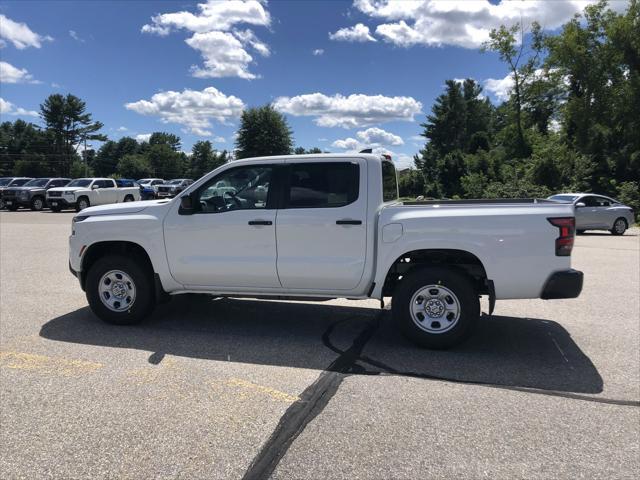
[173,187]
[6,182]
[32,194]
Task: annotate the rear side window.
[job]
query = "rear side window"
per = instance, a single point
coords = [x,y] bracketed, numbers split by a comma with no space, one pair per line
[323,185]
[389,182]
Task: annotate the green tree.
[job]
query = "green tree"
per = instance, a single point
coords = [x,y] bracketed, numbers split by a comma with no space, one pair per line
[134,166]
[459,123]
[69,123]
[205,159]
[263,132]
[509,43]
[164,138]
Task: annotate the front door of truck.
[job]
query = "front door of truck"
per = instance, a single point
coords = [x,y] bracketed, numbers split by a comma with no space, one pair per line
[230,240]
[322,225]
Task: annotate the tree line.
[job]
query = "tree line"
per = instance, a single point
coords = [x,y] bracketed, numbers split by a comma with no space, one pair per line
[58,148]
[571,122]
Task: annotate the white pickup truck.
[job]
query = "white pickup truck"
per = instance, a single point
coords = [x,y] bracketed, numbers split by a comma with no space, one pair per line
[82,193]
[324,226]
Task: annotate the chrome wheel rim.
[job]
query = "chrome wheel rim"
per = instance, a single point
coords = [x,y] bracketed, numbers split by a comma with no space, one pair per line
[117,291]
[435,309]
[37,204]
[82,204]
[620,226]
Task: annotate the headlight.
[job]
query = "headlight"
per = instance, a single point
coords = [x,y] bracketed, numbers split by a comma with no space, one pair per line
[23,193]
[68,192]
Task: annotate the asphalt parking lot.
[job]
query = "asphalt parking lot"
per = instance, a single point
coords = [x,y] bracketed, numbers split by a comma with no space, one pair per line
[252,388]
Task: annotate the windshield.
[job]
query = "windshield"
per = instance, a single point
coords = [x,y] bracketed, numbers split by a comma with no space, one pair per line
[4,181]
[563,198]
[37,182]
[80,182]
[174,182]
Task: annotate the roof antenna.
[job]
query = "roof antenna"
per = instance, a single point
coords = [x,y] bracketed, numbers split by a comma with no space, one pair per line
[366,150]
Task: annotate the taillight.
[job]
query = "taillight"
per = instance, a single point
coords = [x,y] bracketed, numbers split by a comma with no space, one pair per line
[567,227]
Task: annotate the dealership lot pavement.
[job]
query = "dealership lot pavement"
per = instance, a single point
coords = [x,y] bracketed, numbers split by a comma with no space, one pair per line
[251,388]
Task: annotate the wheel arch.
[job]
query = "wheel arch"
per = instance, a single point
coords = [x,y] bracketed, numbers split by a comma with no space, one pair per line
[99,249]
[460,260]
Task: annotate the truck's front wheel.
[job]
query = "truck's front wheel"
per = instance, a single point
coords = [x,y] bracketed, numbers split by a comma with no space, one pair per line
[120,290]
[436,307]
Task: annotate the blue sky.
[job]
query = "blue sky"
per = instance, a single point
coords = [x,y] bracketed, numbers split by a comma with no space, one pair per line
[346,74]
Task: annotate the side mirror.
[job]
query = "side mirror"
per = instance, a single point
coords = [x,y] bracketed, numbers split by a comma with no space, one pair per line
[186,205]
[95,187]
[580,205]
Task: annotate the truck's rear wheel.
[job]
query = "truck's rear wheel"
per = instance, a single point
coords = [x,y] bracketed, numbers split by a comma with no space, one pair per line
[120,290]
[82,203]
[129,198]
[436,307]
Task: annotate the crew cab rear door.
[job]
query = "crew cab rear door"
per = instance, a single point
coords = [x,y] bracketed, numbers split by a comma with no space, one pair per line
[321,227]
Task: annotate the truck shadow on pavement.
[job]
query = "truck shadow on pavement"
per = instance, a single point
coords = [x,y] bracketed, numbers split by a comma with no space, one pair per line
[504,352]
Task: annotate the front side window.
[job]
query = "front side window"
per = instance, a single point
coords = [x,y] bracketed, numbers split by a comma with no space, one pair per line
[603,202]
[389,182]
[243,188]
[323,185]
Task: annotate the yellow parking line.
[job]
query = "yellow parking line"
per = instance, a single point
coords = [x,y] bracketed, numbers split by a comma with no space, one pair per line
[254,387]
[44,364]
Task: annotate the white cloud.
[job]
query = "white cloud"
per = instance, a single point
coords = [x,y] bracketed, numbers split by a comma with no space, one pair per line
[11,74]
[143,137]
[318,52]
[370,138]
[191,108]
[462,23]
[378,136]
[224,56]
[354,111]
[8,108]
[122,129]
[350,144]
[20,35]
[223,48]
[73,34]
[219,139]
[357,33]
[500,87]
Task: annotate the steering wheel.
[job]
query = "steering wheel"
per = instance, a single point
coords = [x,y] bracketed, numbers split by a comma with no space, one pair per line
[233,198]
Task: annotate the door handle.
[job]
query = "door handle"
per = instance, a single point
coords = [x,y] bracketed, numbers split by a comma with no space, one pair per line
[348,222]
[260,222]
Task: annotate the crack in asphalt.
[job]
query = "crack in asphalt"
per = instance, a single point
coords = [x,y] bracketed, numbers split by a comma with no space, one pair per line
[316,396]
[312,401]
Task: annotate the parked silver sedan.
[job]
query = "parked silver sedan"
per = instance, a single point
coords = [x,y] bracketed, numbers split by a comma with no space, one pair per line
[597,212]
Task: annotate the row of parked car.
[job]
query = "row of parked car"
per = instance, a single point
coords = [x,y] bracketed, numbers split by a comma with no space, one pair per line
[64,193]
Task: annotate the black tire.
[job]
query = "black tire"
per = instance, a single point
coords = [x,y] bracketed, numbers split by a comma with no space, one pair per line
[82,203]
[128,198]
[13,208]
[142,277]
[55,209]
[459,285]
[580,232]
[619,226]
[37,204]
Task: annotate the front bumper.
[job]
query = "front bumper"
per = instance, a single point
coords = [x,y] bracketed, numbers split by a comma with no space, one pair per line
[563,284]
[60,202]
